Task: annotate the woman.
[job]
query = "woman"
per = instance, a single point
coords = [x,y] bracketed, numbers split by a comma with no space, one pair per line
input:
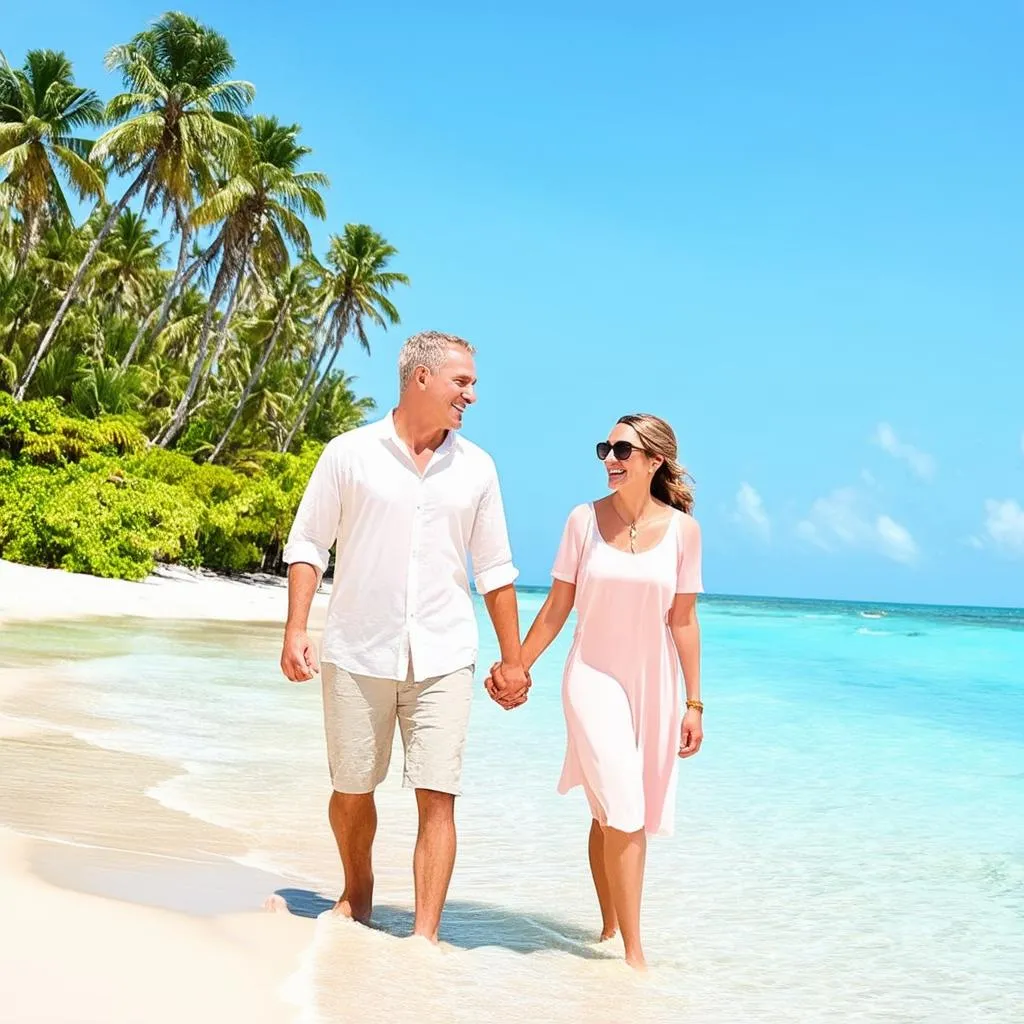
[630,564]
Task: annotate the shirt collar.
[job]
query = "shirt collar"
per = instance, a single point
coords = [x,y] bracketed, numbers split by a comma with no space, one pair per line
[387,426]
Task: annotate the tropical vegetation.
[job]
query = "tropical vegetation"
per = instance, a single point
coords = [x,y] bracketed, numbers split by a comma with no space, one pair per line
[169,337]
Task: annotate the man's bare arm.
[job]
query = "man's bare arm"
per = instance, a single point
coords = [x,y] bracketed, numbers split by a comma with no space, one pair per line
[503,608]
[298,655]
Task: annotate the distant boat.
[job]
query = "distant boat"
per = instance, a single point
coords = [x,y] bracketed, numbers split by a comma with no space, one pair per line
[873,615]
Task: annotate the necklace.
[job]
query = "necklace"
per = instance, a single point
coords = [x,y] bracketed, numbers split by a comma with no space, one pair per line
[632,526]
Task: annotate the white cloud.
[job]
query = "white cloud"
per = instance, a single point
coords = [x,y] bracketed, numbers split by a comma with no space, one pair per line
[1004,526]
[840,520]
[897,542]
[921,463]
[750,511]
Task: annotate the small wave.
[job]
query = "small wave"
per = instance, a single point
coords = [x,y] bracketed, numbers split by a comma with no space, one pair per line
[873,615]
[866,631]
[407,980]
[176,794]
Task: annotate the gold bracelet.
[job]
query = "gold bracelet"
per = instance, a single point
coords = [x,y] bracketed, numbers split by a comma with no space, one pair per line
[696,704]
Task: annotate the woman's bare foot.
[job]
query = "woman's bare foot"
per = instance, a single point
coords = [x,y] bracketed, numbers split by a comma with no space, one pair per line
[608,933]
[637,962]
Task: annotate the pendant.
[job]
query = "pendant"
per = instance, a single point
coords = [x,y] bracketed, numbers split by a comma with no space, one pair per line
[632,537]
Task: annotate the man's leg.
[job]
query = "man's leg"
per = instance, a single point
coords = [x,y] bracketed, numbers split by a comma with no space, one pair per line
[359,719]
[434,859]
[434,716]
[354,823]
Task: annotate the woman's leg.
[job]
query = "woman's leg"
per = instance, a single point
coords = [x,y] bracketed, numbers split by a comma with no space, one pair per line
[609,923]
[600,723]
[625,854]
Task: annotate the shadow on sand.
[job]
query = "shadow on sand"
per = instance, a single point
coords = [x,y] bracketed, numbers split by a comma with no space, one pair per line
[469,925]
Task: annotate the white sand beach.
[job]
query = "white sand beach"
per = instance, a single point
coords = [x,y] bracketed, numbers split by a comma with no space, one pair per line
[159,780]
[126,912]
[172,592]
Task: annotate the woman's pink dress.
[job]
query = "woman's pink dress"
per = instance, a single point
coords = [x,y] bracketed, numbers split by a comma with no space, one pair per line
[621,690]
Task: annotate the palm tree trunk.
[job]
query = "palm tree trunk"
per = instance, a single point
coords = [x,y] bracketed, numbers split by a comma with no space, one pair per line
[21,314]
[29,223]
[193,269]
[175,283]
[253,377]
[182,276]
[139,335]
[222,327]
[180,417]
[76,283]
[335,349]
[314,363]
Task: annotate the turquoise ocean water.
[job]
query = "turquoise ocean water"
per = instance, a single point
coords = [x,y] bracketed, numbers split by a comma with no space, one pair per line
[850,841]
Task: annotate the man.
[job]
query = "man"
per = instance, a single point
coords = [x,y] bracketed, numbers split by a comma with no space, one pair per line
[407,500]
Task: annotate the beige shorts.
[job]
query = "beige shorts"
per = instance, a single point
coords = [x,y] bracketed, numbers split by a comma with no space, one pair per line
[359,718]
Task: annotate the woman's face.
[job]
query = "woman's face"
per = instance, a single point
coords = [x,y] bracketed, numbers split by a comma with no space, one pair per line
[635,471]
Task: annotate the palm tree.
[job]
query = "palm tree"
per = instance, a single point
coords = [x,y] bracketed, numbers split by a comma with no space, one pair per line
[180,113]
[183,274]
[356,293]
[128,268]
[295,286]
[338,409]
[41,110]
[261,205]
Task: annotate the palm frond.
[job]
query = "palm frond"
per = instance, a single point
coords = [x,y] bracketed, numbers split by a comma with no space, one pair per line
[222,203]
[231,96]
[131,140]
[83,175]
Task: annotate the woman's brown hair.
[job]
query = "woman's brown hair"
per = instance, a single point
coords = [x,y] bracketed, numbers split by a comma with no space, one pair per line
[671,483]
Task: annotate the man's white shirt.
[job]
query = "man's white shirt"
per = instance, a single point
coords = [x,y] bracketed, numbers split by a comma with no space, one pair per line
[401,589]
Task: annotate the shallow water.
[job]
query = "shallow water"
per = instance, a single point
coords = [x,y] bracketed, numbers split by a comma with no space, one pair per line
[849,847]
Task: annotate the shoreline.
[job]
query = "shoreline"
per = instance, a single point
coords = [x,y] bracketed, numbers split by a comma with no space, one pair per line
[125,961]
[144,912]
[147,913]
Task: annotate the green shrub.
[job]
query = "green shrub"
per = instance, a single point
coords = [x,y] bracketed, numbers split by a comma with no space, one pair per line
[94,518]
[91,496]
[39,432]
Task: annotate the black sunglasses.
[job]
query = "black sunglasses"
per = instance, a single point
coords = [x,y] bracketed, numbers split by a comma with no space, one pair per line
[621,449]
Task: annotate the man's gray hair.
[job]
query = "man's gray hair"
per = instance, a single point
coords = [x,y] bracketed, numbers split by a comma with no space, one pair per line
[429,349]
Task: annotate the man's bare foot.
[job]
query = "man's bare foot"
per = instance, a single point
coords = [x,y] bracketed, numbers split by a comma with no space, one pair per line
[356,910]
[276,904]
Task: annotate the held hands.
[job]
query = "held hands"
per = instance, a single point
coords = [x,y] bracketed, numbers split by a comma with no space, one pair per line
[691,733]
[298,657]
[508,684]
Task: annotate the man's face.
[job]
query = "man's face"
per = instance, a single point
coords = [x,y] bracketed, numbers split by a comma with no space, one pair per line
[452,388]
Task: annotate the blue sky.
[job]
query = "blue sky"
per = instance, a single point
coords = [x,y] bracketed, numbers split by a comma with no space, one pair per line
[794,231]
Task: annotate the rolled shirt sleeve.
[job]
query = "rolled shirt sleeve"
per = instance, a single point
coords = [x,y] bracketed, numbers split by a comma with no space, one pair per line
[315,527]
[489,547]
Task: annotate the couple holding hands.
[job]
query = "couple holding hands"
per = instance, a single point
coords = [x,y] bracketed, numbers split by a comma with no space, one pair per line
[406,500]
